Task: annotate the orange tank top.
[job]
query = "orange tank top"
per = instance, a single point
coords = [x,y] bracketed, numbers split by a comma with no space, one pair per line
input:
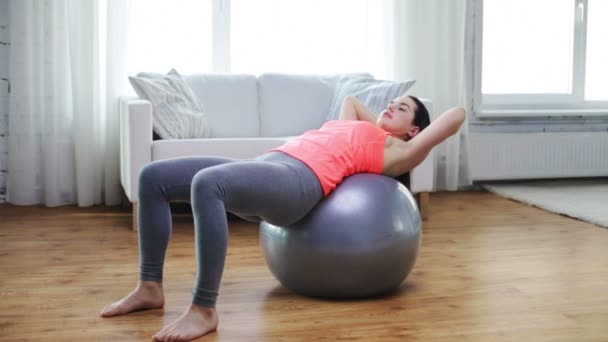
[339,149]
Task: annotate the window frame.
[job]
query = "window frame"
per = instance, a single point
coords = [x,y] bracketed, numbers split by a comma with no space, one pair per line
[547,104]
[220,41]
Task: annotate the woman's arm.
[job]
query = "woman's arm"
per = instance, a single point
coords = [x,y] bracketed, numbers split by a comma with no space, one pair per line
[417,148]
[353,109]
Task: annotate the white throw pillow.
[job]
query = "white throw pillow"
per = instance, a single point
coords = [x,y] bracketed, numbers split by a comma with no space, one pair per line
[175,110]
[374,94]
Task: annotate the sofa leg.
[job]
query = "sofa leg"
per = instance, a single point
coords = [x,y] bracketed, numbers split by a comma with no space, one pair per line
[423,204]
[134,205]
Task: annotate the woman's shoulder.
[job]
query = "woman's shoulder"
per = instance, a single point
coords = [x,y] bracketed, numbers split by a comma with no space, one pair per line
[394,152]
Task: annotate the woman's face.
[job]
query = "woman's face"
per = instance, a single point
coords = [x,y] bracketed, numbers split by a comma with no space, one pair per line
[398,118]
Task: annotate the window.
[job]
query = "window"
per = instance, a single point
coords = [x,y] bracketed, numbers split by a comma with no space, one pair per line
[541,57]
[596,74]
[246,36]
[170,34]
[311,36]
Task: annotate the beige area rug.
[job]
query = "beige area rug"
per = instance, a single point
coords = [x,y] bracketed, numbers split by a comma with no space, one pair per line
[584,199]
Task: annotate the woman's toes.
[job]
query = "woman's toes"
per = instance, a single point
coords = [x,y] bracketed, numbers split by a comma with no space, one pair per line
[162,335]
[107,309]
[159,336]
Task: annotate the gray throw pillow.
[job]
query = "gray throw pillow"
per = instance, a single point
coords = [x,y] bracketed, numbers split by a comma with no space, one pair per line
[175,109]
[374,94]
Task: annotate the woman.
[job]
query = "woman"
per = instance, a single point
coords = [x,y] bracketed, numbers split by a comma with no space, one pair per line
[280,186]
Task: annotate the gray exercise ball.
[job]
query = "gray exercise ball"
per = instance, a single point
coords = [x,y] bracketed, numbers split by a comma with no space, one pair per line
[360,241]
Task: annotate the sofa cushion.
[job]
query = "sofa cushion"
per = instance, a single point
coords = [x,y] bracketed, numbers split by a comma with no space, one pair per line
[176,111]
[374,94]
[291,104]
[241,148]
[230,101]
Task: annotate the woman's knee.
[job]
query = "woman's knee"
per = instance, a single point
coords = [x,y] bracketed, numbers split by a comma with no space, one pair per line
[152,173]
[155,178]
[207,182]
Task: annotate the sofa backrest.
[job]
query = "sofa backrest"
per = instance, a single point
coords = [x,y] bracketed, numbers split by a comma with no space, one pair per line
[290,104]
[271,105]
[230,102]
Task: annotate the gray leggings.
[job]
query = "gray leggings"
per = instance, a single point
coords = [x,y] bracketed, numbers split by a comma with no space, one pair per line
[273,187]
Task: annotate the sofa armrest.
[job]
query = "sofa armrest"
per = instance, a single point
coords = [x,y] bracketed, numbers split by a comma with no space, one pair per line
[135,142]
[422,177]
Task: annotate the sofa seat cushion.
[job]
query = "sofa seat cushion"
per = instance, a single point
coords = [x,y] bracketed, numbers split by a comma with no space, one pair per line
[241,148]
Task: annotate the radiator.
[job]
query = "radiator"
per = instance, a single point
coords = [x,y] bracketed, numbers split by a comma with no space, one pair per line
[497,156]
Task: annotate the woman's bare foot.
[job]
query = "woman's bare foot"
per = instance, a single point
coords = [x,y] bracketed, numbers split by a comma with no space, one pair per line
[147,295]
[195,322]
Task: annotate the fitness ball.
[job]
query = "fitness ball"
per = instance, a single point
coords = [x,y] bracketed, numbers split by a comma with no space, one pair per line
[360,241]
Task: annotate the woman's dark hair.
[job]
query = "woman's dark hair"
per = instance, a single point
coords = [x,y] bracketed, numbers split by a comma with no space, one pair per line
[422,120]
[421,115]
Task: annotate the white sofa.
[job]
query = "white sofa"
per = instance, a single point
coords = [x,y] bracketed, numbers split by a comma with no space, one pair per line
[248,116]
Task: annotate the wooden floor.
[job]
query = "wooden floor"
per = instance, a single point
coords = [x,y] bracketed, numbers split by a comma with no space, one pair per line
[489,270]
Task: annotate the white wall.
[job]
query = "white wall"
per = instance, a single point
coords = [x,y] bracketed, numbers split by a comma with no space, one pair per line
[4,55]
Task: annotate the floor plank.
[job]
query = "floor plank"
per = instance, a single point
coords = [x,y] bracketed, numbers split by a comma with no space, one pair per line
[490,269]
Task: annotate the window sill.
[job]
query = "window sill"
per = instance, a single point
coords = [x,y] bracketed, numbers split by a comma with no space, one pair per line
[503,113]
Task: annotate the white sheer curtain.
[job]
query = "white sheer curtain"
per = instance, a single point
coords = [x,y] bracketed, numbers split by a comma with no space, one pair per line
[66,68]
[432,44]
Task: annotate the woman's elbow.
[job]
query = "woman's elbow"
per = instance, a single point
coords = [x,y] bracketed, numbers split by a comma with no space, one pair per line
[458,117]
[348,98]
[462,114]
